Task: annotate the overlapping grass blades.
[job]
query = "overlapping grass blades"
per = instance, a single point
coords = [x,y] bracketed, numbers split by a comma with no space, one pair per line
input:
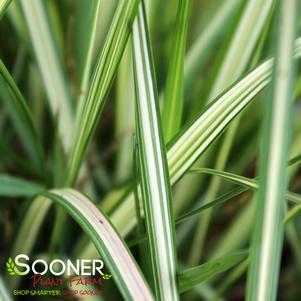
[268,232]
[234,63]
[193,140]
[101,81]
[50,67]
[155,184]
[198,135]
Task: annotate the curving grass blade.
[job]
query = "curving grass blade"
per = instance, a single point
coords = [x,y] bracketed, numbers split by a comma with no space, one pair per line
[198,135]
[15,187]
[292,214]
[194,276]
[153,167]
[295,161]
[101,81]
[268,231]
[243,181]
[218,201]
[110,246]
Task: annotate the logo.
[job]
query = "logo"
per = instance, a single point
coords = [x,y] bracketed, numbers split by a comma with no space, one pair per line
[58,274]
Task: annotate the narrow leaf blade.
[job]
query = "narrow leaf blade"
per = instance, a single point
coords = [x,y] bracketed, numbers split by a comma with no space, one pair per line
[268,231]
[193,276]
[16,187]
[153,167]
[173,95]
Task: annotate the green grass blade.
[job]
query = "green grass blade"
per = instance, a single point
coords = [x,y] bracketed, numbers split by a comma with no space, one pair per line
[101,81]
[50,67]
[16,187]
[104,20]
[153,167]
[173,95]
[85,26]
[292,213]
[110,246]
[268,233]
[86,54]
[55,24]
[243,181]
[22,119]
[193,276]
[125,116]
[219,200]
[236,179]
[295,161]
[4,4]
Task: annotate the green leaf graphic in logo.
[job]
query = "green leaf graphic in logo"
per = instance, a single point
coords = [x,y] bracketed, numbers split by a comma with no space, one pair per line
[11,268]
[106,276]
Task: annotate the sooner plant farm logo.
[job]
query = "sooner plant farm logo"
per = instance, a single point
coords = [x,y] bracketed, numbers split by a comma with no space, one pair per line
[62,275]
